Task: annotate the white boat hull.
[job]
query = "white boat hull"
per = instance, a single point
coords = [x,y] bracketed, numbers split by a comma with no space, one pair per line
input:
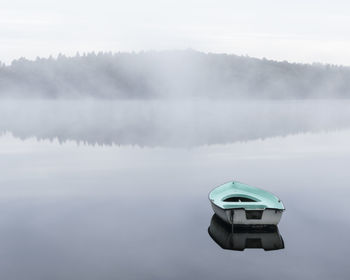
[240,216]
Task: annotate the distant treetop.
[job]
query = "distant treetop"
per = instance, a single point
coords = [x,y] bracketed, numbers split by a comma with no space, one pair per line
[170,74]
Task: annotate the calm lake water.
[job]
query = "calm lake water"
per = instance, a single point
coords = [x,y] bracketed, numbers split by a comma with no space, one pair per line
[124,212]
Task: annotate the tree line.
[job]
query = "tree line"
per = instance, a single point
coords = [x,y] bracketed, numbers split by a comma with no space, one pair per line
[170,74]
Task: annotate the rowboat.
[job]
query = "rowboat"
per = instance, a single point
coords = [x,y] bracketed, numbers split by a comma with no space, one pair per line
[238,203]
[241,238]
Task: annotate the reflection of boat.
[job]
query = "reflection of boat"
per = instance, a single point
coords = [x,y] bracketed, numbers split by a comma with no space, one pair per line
[239,238]
[238,203]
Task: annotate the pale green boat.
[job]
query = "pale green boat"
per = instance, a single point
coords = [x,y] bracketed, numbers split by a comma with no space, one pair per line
[238,203]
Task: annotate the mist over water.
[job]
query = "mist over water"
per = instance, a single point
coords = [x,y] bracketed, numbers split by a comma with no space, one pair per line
[177,123]
[169,98]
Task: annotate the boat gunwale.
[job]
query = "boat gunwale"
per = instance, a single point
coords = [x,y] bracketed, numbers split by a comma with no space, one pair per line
[212,200]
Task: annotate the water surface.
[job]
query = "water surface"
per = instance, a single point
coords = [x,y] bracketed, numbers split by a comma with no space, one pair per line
[107,212]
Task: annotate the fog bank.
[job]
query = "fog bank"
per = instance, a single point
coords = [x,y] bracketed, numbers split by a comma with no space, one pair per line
[171,74]
[163,123]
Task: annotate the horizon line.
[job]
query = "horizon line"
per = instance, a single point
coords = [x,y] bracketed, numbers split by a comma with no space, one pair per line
[133,52]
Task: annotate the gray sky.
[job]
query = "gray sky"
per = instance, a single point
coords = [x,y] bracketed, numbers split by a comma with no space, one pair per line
[298,30]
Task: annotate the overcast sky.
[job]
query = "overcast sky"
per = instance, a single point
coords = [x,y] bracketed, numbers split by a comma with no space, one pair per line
[298,30]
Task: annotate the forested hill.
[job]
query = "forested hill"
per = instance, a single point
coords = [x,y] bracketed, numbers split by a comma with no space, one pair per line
[170,74]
